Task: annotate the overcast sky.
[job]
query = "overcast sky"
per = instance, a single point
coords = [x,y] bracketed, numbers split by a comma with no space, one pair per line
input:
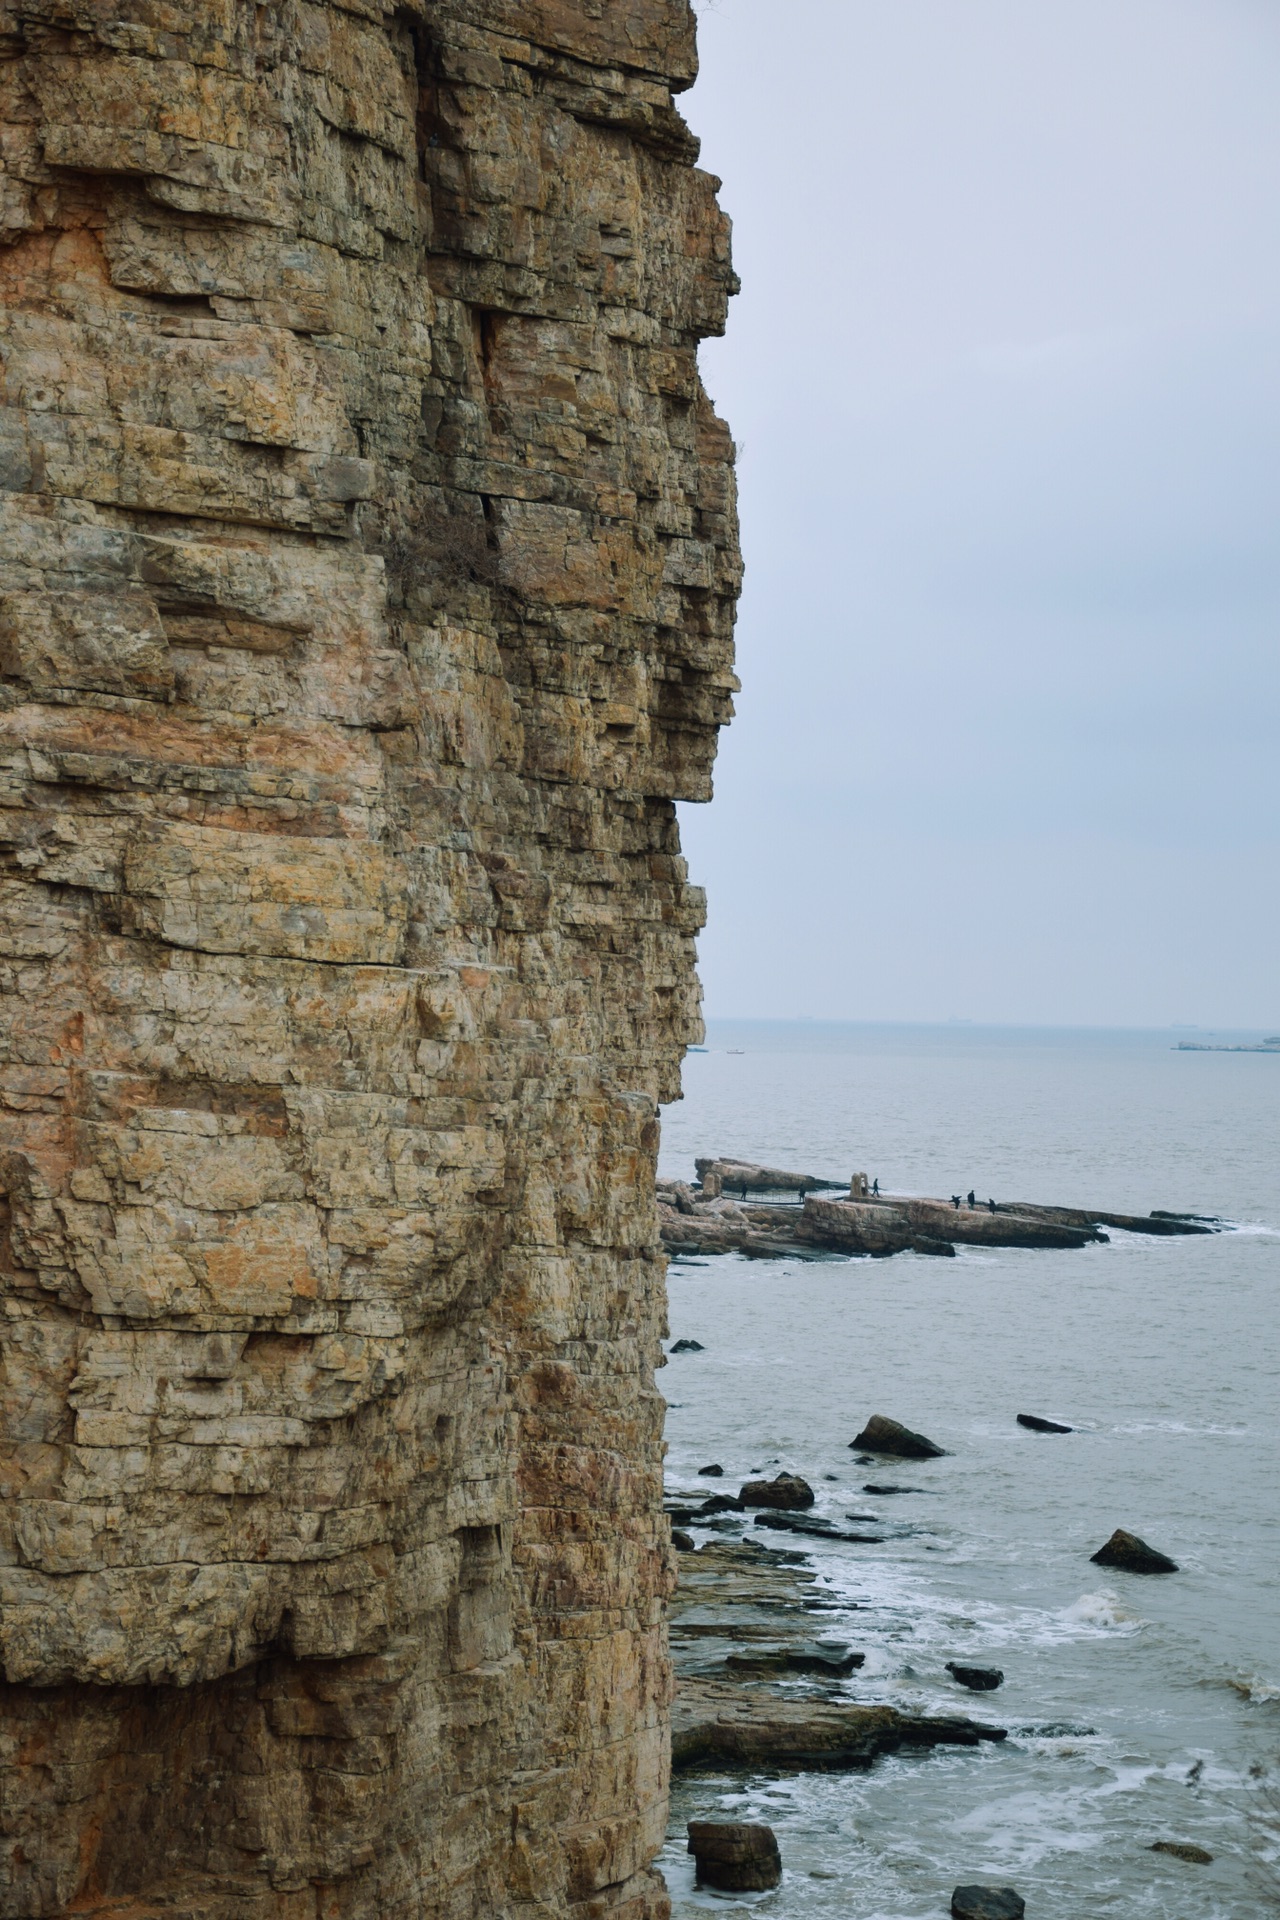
[1005,373]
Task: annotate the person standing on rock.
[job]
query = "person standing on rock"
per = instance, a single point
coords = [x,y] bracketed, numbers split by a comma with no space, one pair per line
[875,1185]
[972,1201]
[955,1201]
[991,1206]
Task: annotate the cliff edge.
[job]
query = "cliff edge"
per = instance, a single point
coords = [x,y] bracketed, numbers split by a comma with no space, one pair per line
[367,568]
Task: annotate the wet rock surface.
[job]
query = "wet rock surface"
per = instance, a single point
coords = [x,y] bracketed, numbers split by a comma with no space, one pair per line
[987,1903]
[1037,1424]
[977,1679]
[749,1603]
[785,1490]
[882,1435]
[1184,1850]
[735,1855]
[1132,1555]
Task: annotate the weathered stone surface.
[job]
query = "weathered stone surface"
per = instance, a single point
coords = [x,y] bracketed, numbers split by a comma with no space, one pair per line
[367,562]
[739,1856]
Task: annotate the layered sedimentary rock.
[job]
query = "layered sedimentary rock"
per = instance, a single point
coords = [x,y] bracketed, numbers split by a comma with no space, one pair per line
[367,564]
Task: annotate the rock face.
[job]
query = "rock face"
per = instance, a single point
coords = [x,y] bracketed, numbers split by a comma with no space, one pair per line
[367,564]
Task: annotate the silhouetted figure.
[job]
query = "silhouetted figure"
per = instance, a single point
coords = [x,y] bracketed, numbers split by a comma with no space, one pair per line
[972,1201]
[991,1206]
[875,1185]
[955,1201]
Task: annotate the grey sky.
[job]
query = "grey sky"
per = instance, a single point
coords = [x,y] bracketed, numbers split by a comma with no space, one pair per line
[1006,372]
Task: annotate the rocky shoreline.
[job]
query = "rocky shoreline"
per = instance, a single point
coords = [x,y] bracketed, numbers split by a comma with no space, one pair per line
[768,1213]
[757,1683]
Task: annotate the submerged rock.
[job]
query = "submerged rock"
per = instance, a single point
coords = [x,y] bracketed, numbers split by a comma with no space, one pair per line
[987,1903]
[1037,1425]
[881,1435]
[870,1487]
[1131,1555]
[738,1856]
[1183,1850]
[687,1346]
[786,1490]
[977,1679]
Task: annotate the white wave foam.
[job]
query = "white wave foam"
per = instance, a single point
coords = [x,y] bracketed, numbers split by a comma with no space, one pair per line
[1102,1611]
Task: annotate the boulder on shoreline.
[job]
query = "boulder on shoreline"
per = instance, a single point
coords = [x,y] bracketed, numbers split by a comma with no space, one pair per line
[713,1472]
[738,1856]
[1039,1425]
[882,1435]
[1131,1555]
[786,1490]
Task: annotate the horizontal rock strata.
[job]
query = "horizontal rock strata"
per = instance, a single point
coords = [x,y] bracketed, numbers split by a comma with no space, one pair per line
[729,1709]
[367,563]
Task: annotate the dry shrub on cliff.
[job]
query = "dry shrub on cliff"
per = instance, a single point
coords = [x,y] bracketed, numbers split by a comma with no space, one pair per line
[440,547]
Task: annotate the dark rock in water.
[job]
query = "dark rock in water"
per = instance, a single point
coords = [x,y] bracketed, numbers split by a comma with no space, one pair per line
[977,1679]
[786,1490]
[1131,1555]
[1037,1425]
[722,1503]
[869,1488]
[828,1665]
[682,1541]
[987,1903]
[890,1436]
[735,1855]
[928,1243]
[1183,1850]
[710,1473]
[816,1528]
[687,1346]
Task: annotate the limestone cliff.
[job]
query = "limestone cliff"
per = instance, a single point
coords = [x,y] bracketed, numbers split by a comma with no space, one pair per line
[367,564]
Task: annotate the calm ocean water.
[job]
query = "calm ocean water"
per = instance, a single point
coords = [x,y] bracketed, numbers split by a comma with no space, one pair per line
[1139,1709]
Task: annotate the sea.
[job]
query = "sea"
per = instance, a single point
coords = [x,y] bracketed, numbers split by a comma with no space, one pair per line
[1138,1709]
